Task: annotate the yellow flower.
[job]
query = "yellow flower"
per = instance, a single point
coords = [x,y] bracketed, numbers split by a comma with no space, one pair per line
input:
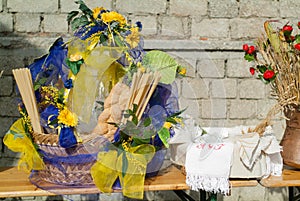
[182,71]
[179,120]
[133,39]
[113,16]
[142,68]
[75,57]
[167,125]
[67,118]
[96,12]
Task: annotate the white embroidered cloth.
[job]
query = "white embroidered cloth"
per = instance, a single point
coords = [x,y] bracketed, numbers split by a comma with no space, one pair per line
[208,166]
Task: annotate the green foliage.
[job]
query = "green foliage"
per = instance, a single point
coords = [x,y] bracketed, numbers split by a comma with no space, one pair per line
[124,164]
[39,83]
[74,65]
[261,68]
[164,135]
[160,61]
[249,57]
[83,7]
[297,39]
[78,22]
[71,15]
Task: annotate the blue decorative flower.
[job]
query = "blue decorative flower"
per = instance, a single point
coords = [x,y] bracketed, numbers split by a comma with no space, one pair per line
[68,84]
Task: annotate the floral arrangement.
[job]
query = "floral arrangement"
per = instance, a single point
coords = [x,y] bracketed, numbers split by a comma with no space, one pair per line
[75,85]
[276,57]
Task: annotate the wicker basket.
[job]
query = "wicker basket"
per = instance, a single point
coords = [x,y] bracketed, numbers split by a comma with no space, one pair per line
[66,166]
[71,166]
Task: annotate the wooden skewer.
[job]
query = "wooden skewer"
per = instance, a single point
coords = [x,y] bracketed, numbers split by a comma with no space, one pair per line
[153,87]
[142,88]
[24,82]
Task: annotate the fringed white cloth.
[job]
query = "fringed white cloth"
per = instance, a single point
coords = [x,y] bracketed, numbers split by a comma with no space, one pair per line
[208,166]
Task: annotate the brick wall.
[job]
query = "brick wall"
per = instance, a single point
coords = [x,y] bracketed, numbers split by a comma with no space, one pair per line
[206,35]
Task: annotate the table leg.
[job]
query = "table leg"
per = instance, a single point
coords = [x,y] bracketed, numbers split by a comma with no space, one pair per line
[202,195]
[183,195]
[291,193]
[211,196]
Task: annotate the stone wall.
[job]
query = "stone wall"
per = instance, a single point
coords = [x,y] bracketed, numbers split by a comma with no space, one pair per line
[205,35]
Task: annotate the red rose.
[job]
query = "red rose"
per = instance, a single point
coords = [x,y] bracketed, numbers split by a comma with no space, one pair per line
[245,47]
[297,46]
[268,74]
[251,49]
[298,25]
[252,70]
[287,29]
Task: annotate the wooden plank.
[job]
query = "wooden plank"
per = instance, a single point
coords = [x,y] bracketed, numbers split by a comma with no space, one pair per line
[244,183]
[288,178]
[15,183]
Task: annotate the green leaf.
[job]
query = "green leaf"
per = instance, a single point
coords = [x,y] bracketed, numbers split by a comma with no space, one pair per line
[74,65]
[124,164]
[249,57]
[78,22]
[114,25]
[261,77]
[135,120]
[83,7]
[297,39]
[147,121]
[171,120]
[103,38]
[139,141]
[262,68]
[71,15]
[135,107]
[118,41]
[162,62]
[126,115]
[178,113]
[39,83]
[164,135]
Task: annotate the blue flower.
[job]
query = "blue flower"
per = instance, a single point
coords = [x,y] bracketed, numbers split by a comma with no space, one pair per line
[139,25]
[66,137]
[68,84]
[49,114]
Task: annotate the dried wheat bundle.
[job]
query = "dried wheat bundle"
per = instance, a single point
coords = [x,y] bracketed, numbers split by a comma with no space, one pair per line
[286,65]
[282,58]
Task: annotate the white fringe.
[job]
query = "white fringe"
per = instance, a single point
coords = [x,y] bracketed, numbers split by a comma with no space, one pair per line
[208,184]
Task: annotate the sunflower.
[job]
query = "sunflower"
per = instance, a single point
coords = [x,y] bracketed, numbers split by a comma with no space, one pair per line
[133,38]
[113,16]
[67,118]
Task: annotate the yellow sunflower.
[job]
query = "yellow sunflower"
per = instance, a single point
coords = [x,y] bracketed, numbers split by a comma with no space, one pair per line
[113,16]
[133,39]
[96,12]
[67,118]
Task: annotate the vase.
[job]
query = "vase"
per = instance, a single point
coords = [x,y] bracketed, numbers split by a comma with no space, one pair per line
[291,139]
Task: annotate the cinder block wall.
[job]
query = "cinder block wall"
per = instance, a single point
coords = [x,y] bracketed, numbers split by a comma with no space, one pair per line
[205,35]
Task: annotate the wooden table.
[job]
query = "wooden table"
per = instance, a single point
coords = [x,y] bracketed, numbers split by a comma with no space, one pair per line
[15,183]
[290,178]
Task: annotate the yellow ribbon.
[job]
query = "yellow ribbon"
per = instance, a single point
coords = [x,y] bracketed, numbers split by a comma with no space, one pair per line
[129,166]
[17,140]
[86,85]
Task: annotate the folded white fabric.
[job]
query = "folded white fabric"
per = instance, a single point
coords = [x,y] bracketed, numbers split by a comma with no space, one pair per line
[208,166]
[252,146]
